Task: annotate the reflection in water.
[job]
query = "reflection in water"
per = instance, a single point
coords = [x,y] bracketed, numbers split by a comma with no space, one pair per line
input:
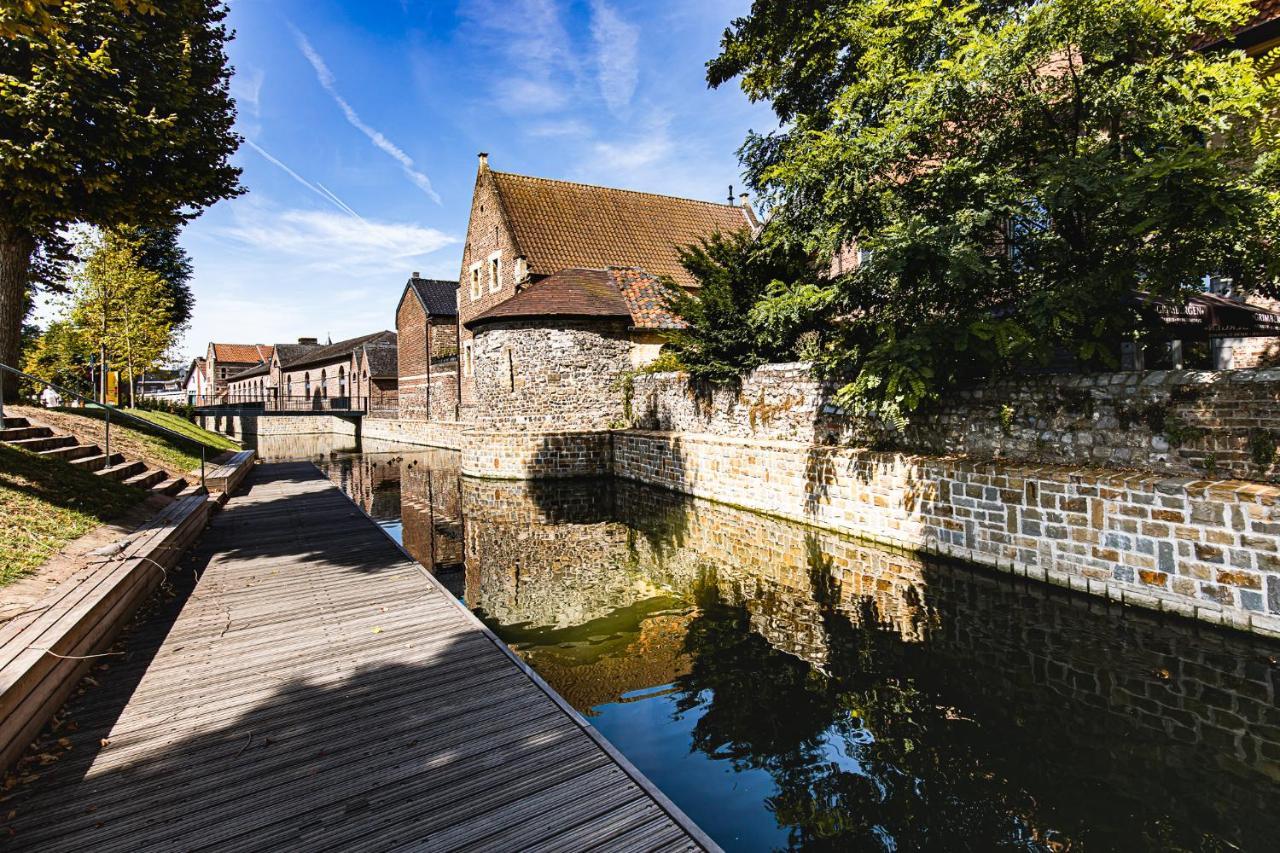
[315,445]
[794,688]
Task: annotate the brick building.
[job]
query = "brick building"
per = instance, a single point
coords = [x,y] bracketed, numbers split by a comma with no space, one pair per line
[427,362]
[323,377]
[222,361]
[261,383]
[373,367]
[523,229]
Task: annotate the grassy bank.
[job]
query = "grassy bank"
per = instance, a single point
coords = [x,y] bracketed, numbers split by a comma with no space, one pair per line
[45,503]
[137,440]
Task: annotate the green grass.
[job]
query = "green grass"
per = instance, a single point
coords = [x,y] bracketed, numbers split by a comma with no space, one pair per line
[177,423]
[45,503]
[154,446]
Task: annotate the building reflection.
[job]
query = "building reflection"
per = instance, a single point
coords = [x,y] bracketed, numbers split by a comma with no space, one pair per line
[886,695]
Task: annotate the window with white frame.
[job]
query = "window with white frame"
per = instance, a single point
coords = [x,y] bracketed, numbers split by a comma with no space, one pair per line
[468,365]
[475,281]
[495,272]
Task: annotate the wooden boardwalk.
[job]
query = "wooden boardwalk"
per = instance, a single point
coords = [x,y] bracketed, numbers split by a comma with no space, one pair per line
[317,690]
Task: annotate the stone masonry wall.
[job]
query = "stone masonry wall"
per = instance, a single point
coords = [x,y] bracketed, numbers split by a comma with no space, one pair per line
[564,377]
[1209,424]
[520,455]
[447,434]
[1206,549]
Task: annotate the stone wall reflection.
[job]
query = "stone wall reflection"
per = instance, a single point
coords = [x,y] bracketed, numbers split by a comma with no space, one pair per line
[1127,716]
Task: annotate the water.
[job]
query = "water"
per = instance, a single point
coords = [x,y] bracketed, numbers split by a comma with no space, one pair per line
[790,688]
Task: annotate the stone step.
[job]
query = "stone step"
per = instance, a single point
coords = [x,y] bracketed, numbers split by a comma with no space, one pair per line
[18,433]
[13,423]
[147,479]
[50,442]
[72,452]
[123,470]
[98,461]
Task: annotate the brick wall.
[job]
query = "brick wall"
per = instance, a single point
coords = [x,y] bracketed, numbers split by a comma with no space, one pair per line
[487,232]
[1206,549]
[324,379]
[564,377]
[1210,424]
[398,431]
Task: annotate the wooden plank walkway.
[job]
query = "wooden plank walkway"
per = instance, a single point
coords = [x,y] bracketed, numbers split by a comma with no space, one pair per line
[319,691]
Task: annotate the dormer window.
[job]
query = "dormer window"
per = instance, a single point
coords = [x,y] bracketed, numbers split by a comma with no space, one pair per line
[521,270]
[495,272]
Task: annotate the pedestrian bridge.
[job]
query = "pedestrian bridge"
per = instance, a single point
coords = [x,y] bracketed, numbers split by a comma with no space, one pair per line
[316,404]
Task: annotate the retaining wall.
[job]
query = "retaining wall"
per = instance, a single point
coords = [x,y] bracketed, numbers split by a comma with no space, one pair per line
[447,434]
[1205,549]
[520,455]
[247,426]
[1223,424]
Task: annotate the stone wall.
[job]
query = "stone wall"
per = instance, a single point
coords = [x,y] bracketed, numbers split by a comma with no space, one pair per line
[519,455]
[1209,424]
[1205,549]
[447,434]
[563,377]
[247,428]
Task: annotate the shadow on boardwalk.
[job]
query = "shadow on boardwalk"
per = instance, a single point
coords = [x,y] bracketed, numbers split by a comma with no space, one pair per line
[299,700]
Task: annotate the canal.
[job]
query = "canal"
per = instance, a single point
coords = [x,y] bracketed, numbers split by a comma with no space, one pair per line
[792,688]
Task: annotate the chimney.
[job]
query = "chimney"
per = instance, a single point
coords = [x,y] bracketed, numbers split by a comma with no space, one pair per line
[484,161]
[413,275]
[742,200]
[309,342]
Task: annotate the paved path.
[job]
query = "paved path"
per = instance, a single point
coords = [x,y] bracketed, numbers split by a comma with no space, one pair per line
[317,690]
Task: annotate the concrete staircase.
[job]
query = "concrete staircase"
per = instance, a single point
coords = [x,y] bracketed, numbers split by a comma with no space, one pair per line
[44,441]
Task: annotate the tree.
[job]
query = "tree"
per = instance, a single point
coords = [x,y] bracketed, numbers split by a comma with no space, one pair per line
[157,249]
[60,354]
[734,271]
[111,113]
[122,309]
[1013,172]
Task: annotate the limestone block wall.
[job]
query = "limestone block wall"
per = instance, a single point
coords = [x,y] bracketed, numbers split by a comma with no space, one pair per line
[248,427]
[1206,549]
[1216,425]
[563,377]
[446,434]
[519,455]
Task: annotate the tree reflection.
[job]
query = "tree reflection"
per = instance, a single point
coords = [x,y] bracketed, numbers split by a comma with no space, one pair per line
[862,758]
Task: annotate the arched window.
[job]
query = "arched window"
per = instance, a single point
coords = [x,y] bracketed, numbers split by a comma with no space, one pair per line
[306,384]
[288,386]
[324,383]
[342,381]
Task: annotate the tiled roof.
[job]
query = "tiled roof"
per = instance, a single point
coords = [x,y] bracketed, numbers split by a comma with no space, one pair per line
[560,225]
[646,298]
[439,298]
[242,353]
[1258,30]
[625,294]
[381,358]
[1267,10]
[261,369]
[336,351]
[289,353]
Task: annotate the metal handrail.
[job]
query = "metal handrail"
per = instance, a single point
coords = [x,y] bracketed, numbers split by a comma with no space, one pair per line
[107,409]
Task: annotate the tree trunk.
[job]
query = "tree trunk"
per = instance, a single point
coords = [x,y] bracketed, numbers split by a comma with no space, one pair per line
[16,247]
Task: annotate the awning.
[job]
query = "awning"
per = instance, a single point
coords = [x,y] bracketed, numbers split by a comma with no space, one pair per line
[1207,315]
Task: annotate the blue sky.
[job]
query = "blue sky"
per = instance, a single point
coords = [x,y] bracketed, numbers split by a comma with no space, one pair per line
[363,118]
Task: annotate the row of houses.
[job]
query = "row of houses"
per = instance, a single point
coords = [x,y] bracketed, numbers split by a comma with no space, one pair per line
[560,295]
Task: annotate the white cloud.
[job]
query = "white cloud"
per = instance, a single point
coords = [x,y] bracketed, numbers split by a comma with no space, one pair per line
[328,242]
[246,88]
[650,147]
[616,55]
[515,95]
[380,141]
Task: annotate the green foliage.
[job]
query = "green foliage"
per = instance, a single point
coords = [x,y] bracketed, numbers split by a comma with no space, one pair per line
[119,305]
[1006,419]
[1263,447]
[1016,170]
[111,112]
[156,249]
[734,272]
[60,355]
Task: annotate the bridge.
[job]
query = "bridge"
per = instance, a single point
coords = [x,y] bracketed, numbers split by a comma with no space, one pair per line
[277,404]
